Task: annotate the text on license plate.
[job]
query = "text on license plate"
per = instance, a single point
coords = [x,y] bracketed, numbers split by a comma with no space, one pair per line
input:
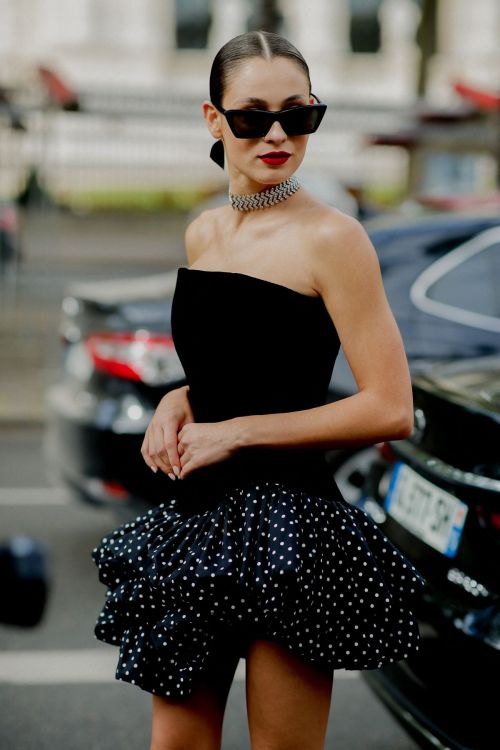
[429,512]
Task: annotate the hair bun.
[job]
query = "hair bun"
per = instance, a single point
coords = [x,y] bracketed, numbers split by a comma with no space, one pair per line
[217,153]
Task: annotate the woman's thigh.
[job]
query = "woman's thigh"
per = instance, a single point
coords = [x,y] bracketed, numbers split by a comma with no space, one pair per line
[288,700]
[196,721]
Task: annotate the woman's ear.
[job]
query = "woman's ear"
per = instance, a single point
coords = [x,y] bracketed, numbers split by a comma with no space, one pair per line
[212,118]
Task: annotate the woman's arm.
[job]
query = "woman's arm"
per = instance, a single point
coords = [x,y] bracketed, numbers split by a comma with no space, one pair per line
[347,273]
[160,445]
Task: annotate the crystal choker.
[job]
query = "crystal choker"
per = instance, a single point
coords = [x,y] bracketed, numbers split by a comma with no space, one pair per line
[264,198]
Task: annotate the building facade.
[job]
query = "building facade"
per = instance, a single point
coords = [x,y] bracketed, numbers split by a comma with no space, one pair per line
[360,53]
[356,49]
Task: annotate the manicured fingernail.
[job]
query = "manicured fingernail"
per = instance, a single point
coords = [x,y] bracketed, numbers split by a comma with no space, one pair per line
[172,476]
[154,468]
[177,471]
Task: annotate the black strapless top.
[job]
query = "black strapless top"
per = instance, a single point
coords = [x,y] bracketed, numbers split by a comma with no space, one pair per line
[252,346]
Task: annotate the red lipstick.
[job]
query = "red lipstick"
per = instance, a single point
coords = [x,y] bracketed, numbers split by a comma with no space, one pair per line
[275,157]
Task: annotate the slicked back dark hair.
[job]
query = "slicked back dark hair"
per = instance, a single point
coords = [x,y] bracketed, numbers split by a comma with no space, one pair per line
[251,44]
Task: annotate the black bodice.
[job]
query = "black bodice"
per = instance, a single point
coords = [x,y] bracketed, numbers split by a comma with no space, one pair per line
[228,558]
[252,346]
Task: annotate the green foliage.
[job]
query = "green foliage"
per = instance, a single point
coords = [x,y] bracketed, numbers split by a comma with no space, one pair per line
[132,200]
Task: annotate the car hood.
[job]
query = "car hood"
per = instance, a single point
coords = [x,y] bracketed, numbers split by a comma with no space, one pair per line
[118,291]
[473,382]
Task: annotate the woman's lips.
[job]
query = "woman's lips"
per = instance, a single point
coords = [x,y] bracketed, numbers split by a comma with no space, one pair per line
[279,158]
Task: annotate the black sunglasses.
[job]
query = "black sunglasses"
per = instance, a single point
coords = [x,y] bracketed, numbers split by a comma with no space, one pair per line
[255,123]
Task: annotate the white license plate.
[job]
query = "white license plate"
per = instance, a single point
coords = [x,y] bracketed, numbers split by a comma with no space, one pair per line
[430,513]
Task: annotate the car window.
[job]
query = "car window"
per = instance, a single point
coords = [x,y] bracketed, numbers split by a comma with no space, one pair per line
[463,286]
[472,285]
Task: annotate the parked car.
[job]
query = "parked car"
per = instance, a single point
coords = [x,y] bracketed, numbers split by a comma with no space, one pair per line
[440,274]
[436,495]
[119,360]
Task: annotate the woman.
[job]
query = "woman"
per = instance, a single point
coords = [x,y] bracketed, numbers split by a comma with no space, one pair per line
[256,554]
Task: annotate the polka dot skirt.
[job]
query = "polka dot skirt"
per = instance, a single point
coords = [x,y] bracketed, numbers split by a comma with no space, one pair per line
[267,560]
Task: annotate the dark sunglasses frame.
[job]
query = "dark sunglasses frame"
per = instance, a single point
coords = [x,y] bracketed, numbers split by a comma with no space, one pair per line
[285,118]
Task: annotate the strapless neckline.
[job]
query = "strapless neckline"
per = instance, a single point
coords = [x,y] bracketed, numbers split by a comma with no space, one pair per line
[258,279]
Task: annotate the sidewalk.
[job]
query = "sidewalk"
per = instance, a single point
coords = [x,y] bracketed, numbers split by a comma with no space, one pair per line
[59,248]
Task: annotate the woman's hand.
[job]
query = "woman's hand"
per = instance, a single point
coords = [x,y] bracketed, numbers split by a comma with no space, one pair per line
[204,443]
[159,447]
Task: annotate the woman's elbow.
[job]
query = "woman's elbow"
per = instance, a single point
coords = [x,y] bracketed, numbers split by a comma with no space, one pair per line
[402,426]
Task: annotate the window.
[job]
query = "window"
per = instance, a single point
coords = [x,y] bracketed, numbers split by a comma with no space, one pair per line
[464,285]
[473,285]
[364,27]
[193,19]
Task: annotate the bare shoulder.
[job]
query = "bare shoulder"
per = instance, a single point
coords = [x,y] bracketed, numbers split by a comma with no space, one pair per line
[341,247]
[199,233]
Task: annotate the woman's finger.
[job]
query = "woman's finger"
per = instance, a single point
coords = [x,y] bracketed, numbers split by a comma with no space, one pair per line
[186,465]
[170,443]
[145,452]
[158,452]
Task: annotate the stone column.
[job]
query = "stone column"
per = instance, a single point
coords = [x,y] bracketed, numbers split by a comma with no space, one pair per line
[139,22]
[399,22]
[321,34]
[468,47]
[229,19]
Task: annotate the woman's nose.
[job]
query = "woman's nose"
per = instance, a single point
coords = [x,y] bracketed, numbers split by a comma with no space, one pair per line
[275,132]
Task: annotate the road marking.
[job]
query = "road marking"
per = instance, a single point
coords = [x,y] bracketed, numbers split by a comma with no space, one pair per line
[79,666]
[53,667]
[35,496]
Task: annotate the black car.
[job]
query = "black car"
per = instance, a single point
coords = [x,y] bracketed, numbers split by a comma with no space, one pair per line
[119,359]
[118,362]
[436,495]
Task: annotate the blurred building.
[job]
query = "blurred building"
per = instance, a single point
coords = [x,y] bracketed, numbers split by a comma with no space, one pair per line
[355,48]
[158,54]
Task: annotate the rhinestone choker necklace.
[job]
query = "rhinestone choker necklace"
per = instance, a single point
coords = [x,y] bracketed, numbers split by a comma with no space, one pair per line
[267,197]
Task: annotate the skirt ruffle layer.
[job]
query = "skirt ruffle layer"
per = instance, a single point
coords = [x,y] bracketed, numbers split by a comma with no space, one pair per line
[265,560]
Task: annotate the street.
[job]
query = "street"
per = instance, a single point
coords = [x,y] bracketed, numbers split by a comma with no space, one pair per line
[59,669]
[57,684]
[115,121]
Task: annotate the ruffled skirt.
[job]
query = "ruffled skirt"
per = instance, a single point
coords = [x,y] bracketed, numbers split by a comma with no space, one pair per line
[262,559]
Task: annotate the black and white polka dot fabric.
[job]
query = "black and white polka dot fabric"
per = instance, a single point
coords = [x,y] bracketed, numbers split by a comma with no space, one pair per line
[262,545]
[310,571]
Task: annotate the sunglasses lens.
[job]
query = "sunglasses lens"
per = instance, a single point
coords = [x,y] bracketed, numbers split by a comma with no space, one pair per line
[248,124]
[302,121]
